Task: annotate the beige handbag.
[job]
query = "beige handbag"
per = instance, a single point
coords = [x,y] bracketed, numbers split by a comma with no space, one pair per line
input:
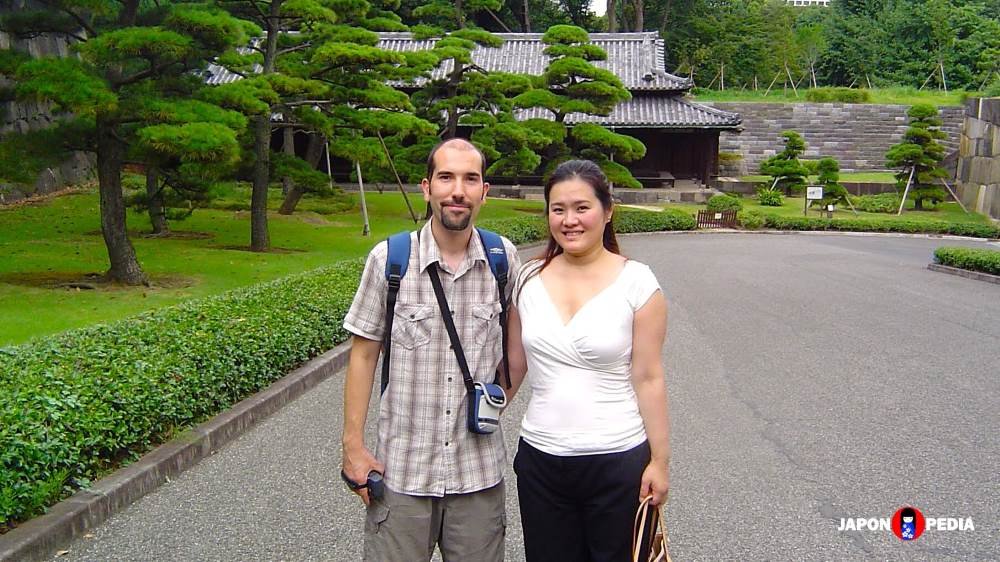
[657,531]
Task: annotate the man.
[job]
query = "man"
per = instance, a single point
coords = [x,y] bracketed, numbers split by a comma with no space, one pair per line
[443,484]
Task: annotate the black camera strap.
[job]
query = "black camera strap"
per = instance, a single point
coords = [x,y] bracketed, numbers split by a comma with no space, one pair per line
[449,324]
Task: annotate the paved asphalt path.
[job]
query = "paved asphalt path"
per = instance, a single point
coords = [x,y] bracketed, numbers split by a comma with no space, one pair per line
[811,378]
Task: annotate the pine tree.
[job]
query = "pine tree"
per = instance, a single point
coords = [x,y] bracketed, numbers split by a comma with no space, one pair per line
[920,153]
[320,68]
[571,84]
[785,166]
[469,95]
[130,85]
[829,178]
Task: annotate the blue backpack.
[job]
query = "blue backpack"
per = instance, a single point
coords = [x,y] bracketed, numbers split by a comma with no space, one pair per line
[395,268]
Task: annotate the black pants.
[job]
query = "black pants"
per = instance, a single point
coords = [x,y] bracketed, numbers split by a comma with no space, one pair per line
[578,508]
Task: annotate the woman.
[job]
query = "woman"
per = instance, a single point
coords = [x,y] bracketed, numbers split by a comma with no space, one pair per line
[587,331]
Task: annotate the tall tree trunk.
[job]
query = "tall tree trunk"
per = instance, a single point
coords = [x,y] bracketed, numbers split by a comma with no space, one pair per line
[260,241]
[110,154]
[157,216]
[611,11]
[527,18]
[314,151]
[129,12]
[454,79]
[640,20]
[288,147]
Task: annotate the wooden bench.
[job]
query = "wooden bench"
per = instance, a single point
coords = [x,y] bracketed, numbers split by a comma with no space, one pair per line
[713,219]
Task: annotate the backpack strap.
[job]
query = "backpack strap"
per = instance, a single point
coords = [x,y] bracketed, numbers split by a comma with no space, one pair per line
[395,268]
[496,255]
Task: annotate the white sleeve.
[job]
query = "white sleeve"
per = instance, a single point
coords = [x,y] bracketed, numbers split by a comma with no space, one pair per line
[642,287]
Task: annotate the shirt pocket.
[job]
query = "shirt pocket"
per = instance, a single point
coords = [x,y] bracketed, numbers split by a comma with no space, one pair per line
[411,327]
[486,322]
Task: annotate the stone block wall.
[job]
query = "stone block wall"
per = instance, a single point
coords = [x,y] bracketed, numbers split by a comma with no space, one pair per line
[978,172]
[22,117]
[857,135]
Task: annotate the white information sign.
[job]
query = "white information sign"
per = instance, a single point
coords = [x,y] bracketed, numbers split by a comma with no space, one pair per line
[814,192]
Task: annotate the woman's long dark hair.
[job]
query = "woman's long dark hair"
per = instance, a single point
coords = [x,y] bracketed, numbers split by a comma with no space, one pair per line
[592,175]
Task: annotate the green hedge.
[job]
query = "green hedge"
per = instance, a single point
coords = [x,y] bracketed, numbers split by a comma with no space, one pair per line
[869,225]
[76,405]
[844,95]
[628,220]
[519,230]
[750,219]
[974,259]
[524,230]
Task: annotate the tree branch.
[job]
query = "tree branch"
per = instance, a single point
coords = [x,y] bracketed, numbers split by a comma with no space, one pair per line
[78,18]
[307,102]
[293,49]
[152,70]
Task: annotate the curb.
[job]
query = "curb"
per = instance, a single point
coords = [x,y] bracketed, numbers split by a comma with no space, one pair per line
[41,537]
[814,233]
[977,275]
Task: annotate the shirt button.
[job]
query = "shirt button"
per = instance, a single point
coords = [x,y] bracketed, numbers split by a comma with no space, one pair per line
[449,379]
[447,412]
[445,443]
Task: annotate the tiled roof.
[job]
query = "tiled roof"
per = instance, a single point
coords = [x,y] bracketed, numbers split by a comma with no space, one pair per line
[652,110]
[636,58]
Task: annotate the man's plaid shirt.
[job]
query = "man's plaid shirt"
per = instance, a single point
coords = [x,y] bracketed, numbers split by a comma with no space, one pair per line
[422,434]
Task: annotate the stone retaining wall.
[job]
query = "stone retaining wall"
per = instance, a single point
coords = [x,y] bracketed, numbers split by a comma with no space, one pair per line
[857,135]
[978,173]
[22,117]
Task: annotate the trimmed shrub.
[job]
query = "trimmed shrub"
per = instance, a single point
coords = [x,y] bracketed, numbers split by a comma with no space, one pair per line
[76,405]
[723,202]
[973,259]
[868,225]
[769,197]
[627,221]
[843,95]
[519,230]
[751,219]
[876,203]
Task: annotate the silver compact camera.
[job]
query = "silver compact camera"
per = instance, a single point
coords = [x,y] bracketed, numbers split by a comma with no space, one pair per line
[485,405]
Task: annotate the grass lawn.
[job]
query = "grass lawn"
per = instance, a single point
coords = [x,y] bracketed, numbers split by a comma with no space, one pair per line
[872,177]
[792,207]
[44,244]
[893,96]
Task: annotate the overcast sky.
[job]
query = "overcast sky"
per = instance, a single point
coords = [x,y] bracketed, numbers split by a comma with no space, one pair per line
[598,6]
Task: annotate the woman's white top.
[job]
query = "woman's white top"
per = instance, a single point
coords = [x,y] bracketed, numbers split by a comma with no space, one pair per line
[582,400]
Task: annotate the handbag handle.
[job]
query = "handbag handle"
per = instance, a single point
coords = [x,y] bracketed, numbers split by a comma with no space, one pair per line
[639,530]
[639,526]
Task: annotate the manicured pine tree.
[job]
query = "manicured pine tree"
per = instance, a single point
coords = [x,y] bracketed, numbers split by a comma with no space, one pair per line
[326,76]
[469,95]
[920,153]
[829,178]
[571,84]
[785,166]
[129,84]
